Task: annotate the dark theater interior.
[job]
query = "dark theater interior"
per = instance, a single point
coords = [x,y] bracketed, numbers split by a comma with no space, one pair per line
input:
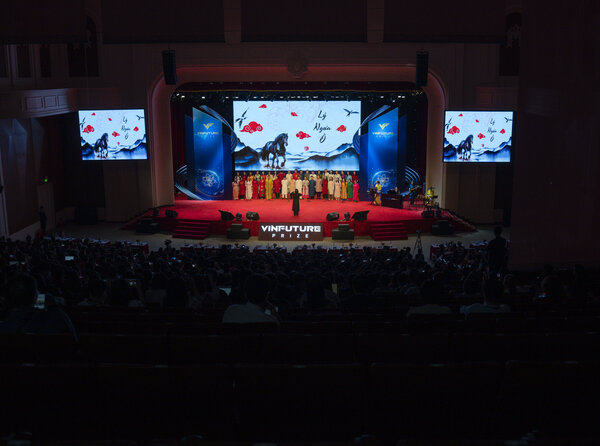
[299,223]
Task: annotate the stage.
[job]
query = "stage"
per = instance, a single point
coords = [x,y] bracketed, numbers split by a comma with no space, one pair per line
[198,219]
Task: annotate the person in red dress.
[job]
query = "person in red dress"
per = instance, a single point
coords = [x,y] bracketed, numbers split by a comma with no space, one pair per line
[255,188]
[295,175]
[277,185]
[354,177]
[280,175]
[325,187]
[261,187]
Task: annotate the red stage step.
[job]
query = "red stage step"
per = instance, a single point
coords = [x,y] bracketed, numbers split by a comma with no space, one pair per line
[192,229]
[394,230]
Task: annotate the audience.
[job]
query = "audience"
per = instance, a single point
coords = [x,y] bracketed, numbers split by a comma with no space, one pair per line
[86,273]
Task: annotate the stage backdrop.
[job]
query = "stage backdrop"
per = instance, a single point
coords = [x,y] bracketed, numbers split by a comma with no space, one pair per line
[383,153]
[206,158]
[303,135]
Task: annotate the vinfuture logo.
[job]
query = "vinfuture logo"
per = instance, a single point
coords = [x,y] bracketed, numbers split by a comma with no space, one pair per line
[290,231]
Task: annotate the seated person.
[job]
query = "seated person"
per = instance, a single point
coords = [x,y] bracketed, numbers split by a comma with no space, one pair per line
[493,292]
[23,317]
[257,307]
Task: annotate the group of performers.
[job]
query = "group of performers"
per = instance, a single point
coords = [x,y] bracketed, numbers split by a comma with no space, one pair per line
[320,185]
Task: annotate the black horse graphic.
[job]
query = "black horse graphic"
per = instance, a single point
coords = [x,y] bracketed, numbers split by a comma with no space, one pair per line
[464,148]
[101,145]
[277,149]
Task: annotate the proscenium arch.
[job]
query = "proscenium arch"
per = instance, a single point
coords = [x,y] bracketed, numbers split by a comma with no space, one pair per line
[159,111]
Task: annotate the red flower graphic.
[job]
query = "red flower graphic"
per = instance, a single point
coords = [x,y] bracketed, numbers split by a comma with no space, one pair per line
[93,114]
[252,127]
[306,148]
[477,120]
[262,106]
[118,143]
[302,135]
[481,136]
[341,128]
[135,129]
[454,130]
[88,129]
[110,119]
[115,134]
[294,114]
[502,131]
[460,114]
[482,145]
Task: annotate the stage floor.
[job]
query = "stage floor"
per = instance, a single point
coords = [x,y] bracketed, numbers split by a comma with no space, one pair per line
[275,211]
[194,212]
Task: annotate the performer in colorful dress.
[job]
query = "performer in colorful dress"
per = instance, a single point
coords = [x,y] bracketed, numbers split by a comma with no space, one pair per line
[305,187]
[291,186]
[344,190]
[337,189]
[319,186]
[269,186]
[325,186]
[242,191]
[284,187]
[331,188]
[355,190]
[349,186]
[236,188]
[277,185]
[249,189]
[261,187]
[255,188]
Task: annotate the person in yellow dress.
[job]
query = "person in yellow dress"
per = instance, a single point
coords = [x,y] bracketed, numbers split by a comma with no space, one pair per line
[378,193]
[344,190]
[269,186]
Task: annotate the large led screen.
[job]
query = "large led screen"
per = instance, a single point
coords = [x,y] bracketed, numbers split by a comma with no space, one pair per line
[112,135]
[478,136]
[303,135]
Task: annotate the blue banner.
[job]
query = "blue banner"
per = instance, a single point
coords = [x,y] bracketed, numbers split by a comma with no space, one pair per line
[383,151]
[205,161]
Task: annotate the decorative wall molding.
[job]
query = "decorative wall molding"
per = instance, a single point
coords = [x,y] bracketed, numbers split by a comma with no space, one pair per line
[39,103]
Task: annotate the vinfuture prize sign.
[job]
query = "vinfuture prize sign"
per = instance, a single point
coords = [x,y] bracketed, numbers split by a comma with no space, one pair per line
[290,231]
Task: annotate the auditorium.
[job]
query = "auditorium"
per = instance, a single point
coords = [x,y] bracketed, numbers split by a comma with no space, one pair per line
[322,223]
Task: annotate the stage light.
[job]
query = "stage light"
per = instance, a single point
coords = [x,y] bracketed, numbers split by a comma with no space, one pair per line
[203,97]
[182,96]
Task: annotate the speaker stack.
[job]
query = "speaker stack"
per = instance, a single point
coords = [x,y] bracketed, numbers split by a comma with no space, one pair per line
[252,215]
[343,232]
[422,68]
[237,231]
[169,67]
[332,216]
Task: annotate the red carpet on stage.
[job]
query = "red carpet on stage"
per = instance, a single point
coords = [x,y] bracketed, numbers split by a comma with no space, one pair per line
[198,219]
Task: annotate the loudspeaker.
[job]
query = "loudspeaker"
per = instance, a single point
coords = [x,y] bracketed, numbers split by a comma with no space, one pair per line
[225,215]
[347,216]
[427,214]
[147,226]
[422,68]
[170,213]
[236,227]
[238,216]
[360,215]
[169,67]
[337,234]
[252,215]
[333,216]
[343,227]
